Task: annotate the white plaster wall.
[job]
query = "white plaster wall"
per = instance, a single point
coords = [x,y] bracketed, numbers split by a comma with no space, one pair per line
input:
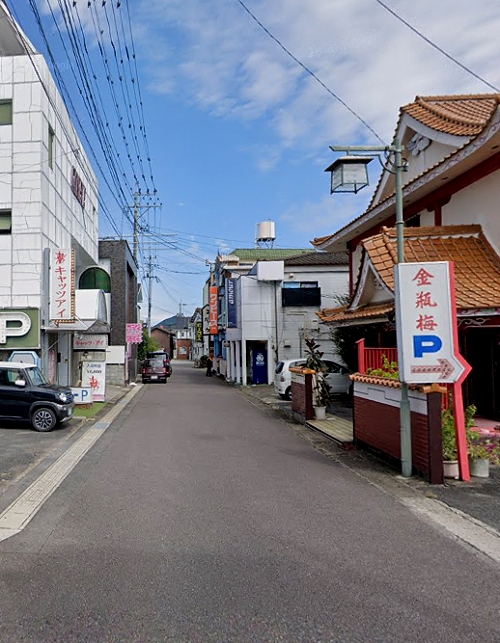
[477,203]
[45,213]
[257,309]
[297,323]
[391,396]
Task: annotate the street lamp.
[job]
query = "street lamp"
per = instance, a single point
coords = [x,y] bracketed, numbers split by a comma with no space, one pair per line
[349,174]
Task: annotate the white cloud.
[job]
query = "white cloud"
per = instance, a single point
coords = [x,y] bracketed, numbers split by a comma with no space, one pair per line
[224,62]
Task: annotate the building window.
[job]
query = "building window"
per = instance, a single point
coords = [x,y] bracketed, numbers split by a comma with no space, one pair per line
[5,112]
[5,221]
[52,140]
[95,279]
[301,293]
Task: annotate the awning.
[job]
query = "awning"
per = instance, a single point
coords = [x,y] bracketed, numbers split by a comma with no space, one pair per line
[91,314]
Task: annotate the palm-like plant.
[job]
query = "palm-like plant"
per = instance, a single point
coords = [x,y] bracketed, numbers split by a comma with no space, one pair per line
[314,361]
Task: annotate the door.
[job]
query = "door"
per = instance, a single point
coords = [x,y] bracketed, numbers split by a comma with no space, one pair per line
[482,351]
[14,400]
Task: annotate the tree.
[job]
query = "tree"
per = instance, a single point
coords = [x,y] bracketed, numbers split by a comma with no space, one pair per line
[148,345]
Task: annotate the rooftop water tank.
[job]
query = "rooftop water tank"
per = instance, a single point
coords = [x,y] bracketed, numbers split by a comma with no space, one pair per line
[265,231]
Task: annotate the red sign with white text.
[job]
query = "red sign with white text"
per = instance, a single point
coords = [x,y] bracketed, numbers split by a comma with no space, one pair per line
[214,310]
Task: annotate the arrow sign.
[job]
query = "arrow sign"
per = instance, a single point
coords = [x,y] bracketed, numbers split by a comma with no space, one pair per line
[427,324]
[443,367]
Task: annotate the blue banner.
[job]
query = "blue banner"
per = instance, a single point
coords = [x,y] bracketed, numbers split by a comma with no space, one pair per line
[232,318]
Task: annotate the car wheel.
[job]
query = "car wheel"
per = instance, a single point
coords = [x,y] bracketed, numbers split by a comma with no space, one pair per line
[288,393]
[43,419]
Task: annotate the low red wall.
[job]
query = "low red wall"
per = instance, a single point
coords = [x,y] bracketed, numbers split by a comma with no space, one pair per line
[302,399]
[378,425]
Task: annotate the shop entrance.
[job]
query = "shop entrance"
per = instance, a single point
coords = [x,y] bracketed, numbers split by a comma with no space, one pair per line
[482,351]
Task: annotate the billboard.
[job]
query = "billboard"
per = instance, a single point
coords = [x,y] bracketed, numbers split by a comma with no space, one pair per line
[62,286]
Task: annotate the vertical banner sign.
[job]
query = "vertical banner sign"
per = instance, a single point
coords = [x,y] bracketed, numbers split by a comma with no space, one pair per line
[426,323]
[133,333]
[199,332]
[62,286]
[214,312]
[231,303]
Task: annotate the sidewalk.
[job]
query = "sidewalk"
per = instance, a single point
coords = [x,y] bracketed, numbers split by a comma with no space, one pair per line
[479,498]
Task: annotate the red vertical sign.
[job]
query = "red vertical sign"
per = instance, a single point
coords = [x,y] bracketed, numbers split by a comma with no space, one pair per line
[214,312]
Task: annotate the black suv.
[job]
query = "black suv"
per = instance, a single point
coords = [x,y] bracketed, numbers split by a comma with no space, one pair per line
[25,394]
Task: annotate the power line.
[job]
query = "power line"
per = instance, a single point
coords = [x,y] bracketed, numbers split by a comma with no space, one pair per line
[433,44]
[311,73]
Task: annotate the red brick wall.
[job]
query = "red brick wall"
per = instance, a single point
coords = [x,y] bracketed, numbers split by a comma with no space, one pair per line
[378,425]
[302,397]
[186,344]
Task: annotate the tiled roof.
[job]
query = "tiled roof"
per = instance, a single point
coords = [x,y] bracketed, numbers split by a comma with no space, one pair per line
[465,115]
[477,266]
[268,254]
[461,115]
[342,314]
[319,259]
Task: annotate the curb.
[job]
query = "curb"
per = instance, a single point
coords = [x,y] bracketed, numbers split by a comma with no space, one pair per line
[22,510]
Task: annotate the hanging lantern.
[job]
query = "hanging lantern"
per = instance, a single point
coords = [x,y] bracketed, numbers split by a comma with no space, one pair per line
[349,173]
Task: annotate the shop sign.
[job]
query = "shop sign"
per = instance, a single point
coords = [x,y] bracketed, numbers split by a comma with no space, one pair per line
[82,395]
[231,303]
[94,377]
[427,324]
[214,312]
[134,333]
[77,187]
[19,328]
[199,332]
[62,286]
[82,342]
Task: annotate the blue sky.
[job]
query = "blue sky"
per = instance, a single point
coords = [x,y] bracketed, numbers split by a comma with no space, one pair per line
[238,132]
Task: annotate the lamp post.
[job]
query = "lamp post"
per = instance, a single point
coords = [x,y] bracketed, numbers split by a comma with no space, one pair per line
[349,174]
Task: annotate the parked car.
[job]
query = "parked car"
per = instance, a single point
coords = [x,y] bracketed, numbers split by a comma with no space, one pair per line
[155,369]
[283,377]
[166,358]
[337,377]
[26,395]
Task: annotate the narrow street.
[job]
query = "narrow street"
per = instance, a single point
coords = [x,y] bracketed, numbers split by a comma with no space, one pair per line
[200,516]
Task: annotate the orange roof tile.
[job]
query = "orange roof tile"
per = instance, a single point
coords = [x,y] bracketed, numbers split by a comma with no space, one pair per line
[464,115]
[477,267]
[343,314]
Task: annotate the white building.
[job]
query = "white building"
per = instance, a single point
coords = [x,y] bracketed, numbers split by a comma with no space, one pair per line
[48,204]
[272,310]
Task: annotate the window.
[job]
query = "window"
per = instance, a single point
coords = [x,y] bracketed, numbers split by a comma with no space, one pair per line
[95,279]
[5,112]
[301,293]
[52,139]
[5,221]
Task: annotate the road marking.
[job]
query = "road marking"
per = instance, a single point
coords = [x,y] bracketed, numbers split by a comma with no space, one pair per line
[20,512]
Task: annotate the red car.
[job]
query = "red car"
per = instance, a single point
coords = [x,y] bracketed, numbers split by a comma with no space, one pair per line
[156,369]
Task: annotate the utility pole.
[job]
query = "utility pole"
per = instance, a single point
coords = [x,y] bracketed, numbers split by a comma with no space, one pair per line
[136,222]
[150,292]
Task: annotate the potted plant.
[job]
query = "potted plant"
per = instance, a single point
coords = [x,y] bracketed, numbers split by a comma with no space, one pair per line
[450,456]
[322,390]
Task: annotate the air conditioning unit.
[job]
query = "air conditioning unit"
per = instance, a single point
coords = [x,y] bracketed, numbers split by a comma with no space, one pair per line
[287,343]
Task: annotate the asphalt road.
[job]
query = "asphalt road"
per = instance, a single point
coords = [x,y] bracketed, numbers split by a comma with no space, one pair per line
[200,516]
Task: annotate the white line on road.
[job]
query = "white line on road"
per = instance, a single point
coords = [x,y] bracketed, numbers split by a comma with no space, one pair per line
[18,514]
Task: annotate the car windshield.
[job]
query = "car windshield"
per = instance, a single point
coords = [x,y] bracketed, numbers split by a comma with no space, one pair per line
[155,363]
[279,368]
[37,378]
